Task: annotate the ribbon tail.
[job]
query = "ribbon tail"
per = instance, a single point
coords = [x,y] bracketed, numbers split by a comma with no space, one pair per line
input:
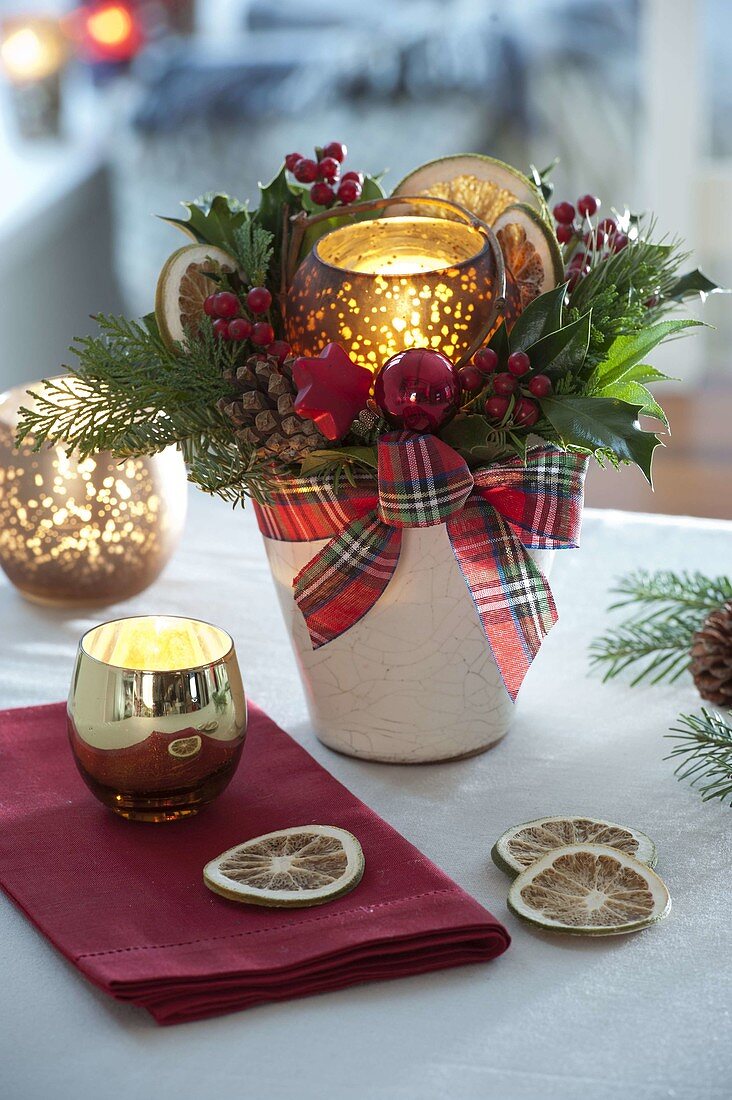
[345,579]
[511,595]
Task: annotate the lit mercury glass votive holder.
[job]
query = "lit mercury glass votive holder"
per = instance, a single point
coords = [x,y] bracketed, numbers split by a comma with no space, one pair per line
[157,715]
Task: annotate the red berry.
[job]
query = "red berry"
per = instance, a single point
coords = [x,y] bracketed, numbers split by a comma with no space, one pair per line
[564,213]
[322,194]
[588,205]
[221,328]
[349,191]
[485,360]
[357,177]
[259,299]
[240,329]
[519,364]
[496,407]
[619,242]
[209,306]
[337,150]
[594,239]
[578,261]
[291,160]
[565,233]
[572,281]
[526,412]
[329,169]
[226,304]
[280,349]
[262,334]
[504,384]
[608,226]
[540,385]
[306,170]
[471,379]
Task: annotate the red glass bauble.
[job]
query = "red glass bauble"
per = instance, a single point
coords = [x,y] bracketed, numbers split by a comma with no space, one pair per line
[418,389]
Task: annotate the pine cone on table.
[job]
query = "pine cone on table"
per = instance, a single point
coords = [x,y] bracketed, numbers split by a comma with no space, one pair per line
[261,408]
[711,657]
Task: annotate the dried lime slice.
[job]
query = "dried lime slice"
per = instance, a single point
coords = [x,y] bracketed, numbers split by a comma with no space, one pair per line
[522,845]
[185,747]
[589,890]
[302,866]
[184,285]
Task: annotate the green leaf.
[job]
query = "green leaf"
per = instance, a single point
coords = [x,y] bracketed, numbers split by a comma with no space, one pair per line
[499,344]
[336,457]
[542,316]
[213,219]
[562,351]
[635,393]
[150,322]
[694,283]
[474,438]
[602,423]
[626,351]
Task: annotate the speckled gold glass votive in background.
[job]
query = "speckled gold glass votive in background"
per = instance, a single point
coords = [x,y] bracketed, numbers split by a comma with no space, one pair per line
[156,715]
[82,532]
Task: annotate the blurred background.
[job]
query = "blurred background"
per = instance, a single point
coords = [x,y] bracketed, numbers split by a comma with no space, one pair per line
[137,106]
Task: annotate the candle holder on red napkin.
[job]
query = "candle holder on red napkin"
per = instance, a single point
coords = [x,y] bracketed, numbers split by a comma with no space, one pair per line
[156,715]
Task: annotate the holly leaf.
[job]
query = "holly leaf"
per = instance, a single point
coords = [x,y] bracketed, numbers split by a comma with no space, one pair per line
[212,219]
[694,283]
[499,343]
[635,393]
[627,351]
[562,351]
[602,423]
[541,317]
[474,438]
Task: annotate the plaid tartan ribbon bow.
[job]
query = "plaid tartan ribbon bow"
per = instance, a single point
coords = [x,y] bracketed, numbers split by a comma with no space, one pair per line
[492,516]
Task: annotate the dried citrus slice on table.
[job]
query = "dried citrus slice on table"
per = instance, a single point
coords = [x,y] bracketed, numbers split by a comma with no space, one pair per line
[184,285]
[589,890]
[481,184]
[302,866]
[522,845]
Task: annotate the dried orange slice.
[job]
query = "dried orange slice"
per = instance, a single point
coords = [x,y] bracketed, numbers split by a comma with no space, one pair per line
[183,286]
[522,845]
[185,747]
[589,890]
[483,185]
[531,252]
[302,866]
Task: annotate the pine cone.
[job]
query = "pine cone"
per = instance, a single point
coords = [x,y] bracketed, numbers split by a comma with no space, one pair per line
[711,657]
[261,408]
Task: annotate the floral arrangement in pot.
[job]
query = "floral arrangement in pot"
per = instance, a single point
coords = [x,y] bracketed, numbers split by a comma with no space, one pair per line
[409,388]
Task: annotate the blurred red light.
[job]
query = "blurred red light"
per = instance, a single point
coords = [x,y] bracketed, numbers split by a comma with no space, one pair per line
[109,32]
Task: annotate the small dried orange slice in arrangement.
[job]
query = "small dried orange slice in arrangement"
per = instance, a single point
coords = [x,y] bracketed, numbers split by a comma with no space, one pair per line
[292,868]
[590,890]
[183,286]
[522,845]
[185,747]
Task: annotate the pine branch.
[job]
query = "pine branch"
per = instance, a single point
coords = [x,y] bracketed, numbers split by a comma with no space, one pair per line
[704,753]
[660,648]
[254,247]
[669,608]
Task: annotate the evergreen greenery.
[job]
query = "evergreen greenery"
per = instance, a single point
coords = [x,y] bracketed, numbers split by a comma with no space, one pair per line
[703,752]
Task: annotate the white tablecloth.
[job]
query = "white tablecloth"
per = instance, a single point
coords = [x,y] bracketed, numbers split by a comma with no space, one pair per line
[644,1016]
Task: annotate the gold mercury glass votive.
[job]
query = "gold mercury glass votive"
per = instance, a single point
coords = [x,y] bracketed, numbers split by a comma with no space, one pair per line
[79,532]
[378,287]
[157,715]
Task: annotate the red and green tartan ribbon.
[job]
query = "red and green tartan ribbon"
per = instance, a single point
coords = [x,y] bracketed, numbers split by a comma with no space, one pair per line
[492,517]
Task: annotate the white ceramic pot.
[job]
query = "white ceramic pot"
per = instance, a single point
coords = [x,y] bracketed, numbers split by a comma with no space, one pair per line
[414,679]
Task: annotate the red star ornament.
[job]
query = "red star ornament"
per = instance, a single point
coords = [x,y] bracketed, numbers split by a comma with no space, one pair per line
[331,390]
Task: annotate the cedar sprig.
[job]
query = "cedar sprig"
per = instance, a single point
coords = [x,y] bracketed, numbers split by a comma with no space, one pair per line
[254,248]
[655,640]
[703,752]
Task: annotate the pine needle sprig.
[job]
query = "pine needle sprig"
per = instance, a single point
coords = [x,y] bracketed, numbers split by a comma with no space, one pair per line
[659,649]
[703,752]
[656,639]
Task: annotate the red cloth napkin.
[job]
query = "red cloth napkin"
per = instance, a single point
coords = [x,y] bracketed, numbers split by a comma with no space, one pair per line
[126,904]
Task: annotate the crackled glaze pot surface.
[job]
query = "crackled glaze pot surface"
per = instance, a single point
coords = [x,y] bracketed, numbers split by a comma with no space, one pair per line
[414,679]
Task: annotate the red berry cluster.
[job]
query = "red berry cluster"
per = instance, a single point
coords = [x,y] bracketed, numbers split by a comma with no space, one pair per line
[507,386]
[237,321]
[329,187]
[582,238]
